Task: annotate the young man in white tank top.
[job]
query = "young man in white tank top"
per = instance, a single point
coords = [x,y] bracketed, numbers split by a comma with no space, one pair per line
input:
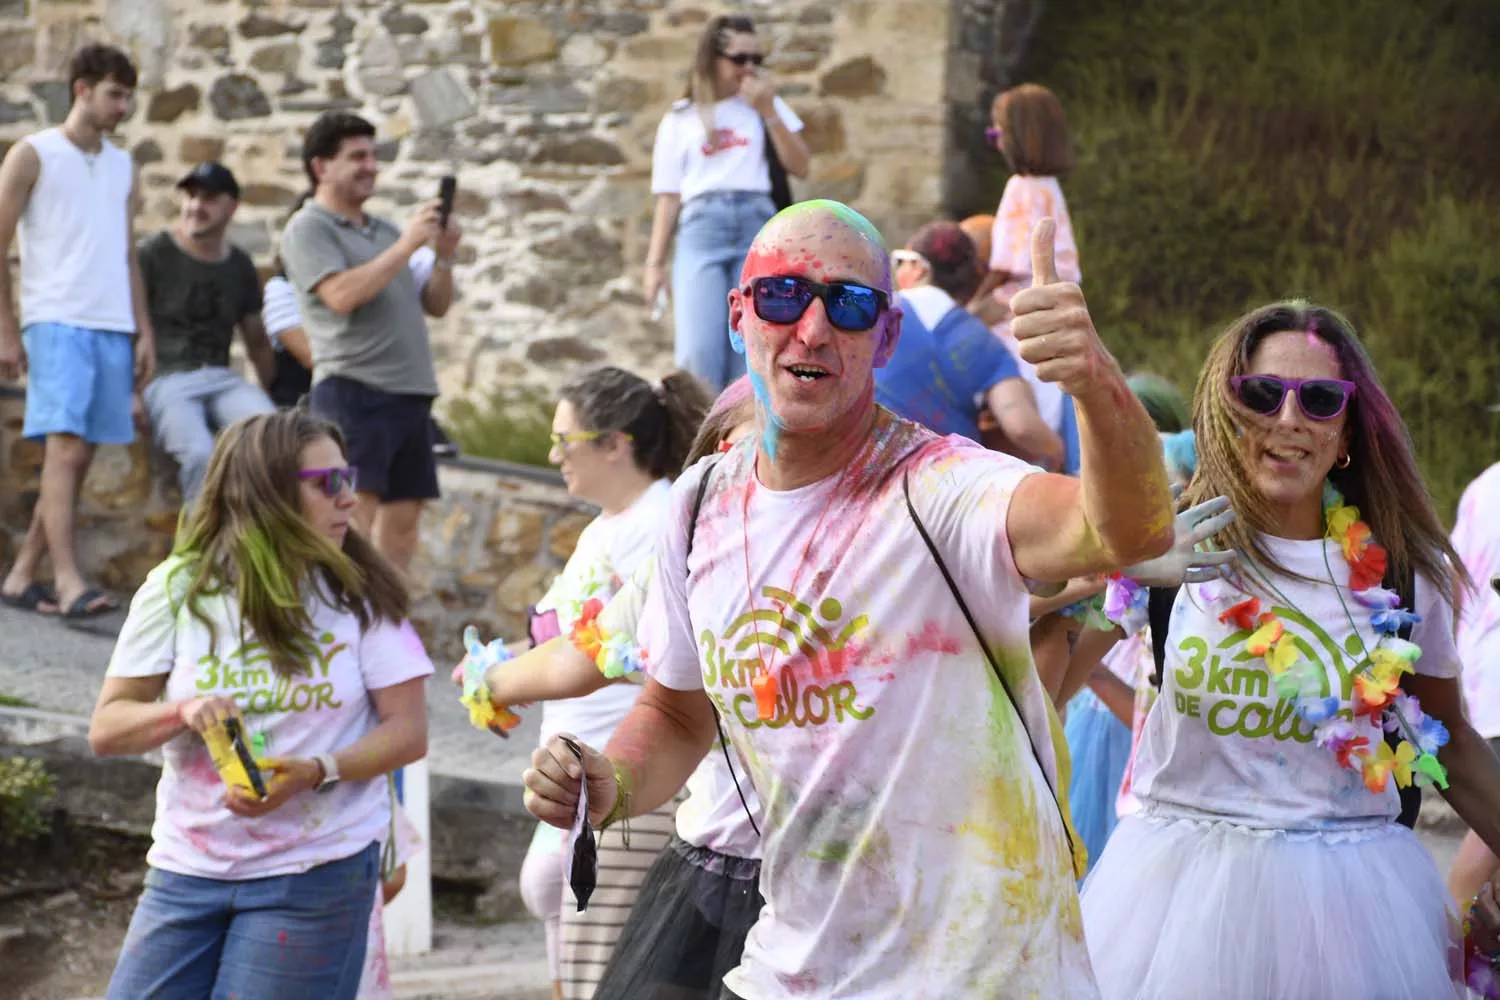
[82,333]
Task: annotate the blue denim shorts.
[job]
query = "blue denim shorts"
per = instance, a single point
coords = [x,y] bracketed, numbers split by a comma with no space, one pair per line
[258,939]
[79,382]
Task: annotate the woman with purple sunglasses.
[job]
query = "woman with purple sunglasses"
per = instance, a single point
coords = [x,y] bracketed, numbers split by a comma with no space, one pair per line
[273,621]
[1300,690]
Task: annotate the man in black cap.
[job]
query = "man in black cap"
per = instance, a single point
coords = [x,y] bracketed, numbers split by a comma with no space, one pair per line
[199,288]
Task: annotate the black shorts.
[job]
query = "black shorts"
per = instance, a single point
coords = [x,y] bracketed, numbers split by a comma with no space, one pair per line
[389,436]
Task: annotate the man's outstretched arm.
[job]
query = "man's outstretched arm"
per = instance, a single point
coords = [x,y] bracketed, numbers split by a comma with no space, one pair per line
[1119,510]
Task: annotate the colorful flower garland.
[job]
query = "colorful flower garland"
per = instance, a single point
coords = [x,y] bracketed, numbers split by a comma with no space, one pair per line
[615,654]
[1377,690]
[483,713]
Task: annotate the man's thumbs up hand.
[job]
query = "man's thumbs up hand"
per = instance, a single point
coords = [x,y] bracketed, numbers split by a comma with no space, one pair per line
[1053,326]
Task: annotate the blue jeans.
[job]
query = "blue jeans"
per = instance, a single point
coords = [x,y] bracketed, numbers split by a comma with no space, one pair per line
[188,408]
[292,936]
[714,232]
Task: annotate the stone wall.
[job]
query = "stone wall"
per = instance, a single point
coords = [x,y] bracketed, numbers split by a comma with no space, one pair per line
[554,168]
[489,548]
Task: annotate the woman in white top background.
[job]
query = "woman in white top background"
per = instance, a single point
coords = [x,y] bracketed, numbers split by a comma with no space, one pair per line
[711,173]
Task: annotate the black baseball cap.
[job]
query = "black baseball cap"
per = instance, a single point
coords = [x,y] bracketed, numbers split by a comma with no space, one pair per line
[215,178]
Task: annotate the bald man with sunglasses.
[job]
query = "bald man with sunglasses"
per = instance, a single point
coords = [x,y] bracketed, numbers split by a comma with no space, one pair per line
[848,592]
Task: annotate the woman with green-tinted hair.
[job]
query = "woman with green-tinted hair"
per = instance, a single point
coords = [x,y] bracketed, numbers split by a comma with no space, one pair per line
[274,622]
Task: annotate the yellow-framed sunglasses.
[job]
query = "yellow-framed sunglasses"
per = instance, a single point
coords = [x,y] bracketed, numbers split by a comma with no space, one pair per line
[563,441]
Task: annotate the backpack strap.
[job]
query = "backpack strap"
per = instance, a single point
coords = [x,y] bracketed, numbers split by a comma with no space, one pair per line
[1159,603]
[692,530]
[1075,846]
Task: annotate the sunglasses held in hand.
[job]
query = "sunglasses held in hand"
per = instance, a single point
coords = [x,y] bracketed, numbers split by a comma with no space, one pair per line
[583,868]
[851,307]
[1318,398]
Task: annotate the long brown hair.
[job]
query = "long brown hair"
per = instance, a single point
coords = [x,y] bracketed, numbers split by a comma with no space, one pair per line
[246,535]
[700,82]
[735,406]
[1381,479]
[1035,140]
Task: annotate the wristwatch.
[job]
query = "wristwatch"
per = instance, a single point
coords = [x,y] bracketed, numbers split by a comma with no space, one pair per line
[330,771]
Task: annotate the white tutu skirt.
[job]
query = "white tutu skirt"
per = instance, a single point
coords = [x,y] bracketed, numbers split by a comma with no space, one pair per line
[1184,909]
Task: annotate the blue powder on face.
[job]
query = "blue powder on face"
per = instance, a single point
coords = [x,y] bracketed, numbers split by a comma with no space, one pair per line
[771,434]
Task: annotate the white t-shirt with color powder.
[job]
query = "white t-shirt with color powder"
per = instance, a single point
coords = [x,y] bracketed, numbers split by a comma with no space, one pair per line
[717,813]
[686,161]
[323,711]
[1476,537]
[609,552]
[1219,743]
[911,845]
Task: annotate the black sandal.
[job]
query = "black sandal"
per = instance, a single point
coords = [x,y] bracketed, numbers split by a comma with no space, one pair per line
[31,599]
[80,608]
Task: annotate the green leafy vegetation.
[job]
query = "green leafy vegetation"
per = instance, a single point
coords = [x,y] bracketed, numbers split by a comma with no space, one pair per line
[1234,153]
[509,425]
[25,790]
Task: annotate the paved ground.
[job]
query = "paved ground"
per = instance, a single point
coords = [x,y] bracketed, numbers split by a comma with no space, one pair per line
[59,667]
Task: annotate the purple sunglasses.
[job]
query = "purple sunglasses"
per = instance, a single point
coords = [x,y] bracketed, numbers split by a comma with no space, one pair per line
[332,480]
[1318,398]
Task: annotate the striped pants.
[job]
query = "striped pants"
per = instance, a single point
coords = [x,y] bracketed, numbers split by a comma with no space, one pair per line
[588,938]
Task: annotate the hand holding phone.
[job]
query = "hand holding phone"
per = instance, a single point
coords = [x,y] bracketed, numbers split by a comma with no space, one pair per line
[447,188]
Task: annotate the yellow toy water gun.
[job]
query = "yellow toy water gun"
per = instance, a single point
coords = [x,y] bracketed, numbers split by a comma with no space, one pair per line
[233,758]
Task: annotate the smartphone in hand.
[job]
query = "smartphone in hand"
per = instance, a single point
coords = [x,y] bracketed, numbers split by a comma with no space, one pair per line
[447,187]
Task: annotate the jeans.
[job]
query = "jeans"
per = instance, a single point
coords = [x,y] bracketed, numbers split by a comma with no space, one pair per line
[284,938]
[188,408]
[714,232]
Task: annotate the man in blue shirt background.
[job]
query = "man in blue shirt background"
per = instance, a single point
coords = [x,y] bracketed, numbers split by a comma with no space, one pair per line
[948,366]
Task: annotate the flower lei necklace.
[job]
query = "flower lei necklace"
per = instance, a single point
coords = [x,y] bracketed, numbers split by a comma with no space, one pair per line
[1377,690]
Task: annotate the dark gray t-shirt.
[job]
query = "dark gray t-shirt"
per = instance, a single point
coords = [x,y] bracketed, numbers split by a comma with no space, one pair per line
[384,343]
[195,304]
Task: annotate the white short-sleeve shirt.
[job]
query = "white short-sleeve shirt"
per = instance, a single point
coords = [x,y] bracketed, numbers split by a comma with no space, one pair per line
[321,711]
[687,161]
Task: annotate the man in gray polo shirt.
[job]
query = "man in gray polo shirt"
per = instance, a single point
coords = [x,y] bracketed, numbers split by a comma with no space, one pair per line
[364,317]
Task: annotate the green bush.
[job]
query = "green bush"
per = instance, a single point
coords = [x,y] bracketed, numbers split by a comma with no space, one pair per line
[25,790]
[1232,153]
[509,425]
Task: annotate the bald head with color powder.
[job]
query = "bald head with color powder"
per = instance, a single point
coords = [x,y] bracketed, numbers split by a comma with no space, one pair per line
[809,375]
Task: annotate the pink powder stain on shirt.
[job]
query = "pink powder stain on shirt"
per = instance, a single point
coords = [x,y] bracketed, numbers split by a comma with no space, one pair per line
[932,639]
[281,939]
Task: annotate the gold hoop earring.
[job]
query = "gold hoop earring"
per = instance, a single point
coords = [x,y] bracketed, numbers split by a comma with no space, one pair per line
[1343,461]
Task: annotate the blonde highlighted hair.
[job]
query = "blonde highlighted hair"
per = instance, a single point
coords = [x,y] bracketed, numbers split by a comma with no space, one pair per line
[1381,479]
[246,538]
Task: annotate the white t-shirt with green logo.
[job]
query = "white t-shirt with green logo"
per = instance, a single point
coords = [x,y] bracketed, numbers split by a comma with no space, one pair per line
[319,712]
[912,847]
[1220,744]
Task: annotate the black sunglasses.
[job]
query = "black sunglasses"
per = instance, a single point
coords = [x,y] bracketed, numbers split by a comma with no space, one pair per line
[850,307]
[744,58]
[1319,398]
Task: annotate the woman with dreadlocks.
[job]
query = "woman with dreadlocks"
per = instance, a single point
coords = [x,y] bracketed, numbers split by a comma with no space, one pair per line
[1265,860]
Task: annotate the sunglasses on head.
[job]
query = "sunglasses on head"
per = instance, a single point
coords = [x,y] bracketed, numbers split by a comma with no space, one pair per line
[850,307]
[332,481]
[1318,398]
[744,58]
